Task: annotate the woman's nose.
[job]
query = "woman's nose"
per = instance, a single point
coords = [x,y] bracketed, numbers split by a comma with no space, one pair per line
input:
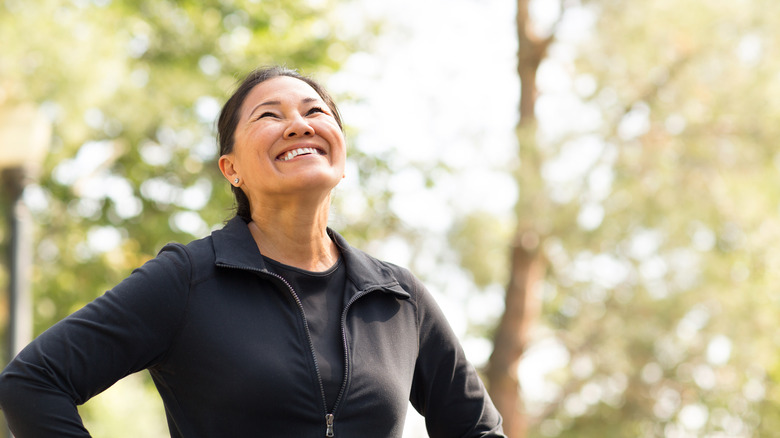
[298,127]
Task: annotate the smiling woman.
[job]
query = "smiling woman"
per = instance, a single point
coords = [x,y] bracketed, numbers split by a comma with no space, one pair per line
[231,120]
[274,322]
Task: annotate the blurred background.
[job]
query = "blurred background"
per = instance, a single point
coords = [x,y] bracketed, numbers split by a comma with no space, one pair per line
[590,188]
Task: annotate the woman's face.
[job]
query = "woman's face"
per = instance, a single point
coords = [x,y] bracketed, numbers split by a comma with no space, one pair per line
[286,141]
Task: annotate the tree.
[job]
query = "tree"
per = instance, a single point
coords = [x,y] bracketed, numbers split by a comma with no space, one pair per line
[526,265]
[646,227]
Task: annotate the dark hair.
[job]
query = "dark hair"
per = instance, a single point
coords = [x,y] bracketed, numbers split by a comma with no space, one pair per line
[231,112]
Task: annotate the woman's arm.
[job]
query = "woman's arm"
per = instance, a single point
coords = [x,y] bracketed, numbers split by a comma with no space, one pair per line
[126,330]
[446,388]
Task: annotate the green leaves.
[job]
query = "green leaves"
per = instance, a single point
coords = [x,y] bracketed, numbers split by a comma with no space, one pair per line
[133,90]
[674,281]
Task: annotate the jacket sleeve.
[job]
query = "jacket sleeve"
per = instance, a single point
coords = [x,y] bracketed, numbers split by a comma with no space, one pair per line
[446,389]
[126,330]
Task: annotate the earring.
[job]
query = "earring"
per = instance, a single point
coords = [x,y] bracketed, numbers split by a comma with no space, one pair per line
[235,181]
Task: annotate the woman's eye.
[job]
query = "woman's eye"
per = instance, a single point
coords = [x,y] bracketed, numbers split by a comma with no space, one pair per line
[314,110]
[265,114]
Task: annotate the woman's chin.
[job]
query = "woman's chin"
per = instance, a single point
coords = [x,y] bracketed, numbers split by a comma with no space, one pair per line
[311,183]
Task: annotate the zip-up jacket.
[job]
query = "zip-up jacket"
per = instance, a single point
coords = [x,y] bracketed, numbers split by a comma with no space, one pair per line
[227,345]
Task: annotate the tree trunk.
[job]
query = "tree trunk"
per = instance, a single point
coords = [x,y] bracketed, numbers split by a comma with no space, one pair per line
[526,267]
[521,308]
[531,51]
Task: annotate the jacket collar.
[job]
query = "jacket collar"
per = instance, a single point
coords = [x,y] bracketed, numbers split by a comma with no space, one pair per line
[235,247]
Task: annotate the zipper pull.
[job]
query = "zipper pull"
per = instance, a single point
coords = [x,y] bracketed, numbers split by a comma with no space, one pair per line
[329,425]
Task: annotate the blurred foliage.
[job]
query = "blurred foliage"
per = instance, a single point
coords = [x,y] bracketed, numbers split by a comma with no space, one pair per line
[655,189]
[133,89]
[692,216]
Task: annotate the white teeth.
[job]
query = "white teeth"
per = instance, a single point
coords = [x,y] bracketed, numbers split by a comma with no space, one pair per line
[295,152]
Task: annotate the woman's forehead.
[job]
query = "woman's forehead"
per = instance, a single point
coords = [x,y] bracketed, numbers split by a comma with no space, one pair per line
[281,89]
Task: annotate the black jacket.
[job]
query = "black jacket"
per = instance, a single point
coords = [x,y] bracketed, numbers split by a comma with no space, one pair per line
[228,348]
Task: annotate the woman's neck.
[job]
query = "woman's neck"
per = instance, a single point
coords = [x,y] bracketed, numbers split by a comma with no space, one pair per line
[295,237]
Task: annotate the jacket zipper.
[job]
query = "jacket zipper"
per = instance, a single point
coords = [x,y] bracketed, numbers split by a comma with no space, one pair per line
[329,416]
[329,425]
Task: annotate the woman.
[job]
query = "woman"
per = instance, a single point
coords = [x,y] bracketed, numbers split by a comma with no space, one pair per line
[272,326]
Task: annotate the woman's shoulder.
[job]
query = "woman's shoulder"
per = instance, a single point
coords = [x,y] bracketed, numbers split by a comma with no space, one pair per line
[367,261]
[403,274]
[363,264]
[193,258]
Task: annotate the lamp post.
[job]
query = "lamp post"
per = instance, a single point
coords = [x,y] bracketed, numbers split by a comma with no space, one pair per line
[25,135]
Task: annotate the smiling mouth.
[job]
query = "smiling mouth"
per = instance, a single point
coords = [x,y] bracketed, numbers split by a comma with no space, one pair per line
[300,151]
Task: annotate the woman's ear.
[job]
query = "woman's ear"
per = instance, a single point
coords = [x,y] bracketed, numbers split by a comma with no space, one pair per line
[229,170]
